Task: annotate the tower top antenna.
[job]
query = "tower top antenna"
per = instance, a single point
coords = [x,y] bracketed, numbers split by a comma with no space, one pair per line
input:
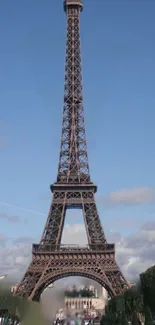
[73,3]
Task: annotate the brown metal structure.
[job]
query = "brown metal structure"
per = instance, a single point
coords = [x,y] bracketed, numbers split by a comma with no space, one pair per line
[73,189]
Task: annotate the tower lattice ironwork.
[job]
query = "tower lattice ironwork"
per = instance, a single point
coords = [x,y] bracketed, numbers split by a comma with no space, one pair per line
[72,189]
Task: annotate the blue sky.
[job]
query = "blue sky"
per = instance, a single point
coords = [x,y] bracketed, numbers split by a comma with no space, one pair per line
[118,51]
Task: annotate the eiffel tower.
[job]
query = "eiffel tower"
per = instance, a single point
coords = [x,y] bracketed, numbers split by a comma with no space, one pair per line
[72,189]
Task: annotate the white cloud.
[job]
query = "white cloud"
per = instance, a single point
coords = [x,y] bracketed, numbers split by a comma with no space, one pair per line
[74,234]
[134,253]
[3,240]
[10,218]
[136,195]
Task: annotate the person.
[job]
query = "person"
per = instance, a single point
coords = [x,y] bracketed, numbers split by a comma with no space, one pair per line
[72,322]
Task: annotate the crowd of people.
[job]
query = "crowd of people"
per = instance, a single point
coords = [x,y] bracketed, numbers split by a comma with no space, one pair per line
[74,320]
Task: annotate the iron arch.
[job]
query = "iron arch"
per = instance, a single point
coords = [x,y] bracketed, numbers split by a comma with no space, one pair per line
[48,279]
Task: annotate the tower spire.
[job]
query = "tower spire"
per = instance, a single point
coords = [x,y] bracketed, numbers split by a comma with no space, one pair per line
[73,162]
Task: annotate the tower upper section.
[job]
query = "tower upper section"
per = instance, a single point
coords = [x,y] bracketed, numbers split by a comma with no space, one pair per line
[73,162]
[73,3]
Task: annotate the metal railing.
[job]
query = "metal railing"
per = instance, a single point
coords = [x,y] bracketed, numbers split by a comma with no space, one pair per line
[88,248]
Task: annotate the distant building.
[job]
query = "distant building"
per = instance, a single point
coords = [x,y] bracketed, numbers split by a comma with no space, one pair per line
[96,293]
[91,288]
[103,294]
[82,304]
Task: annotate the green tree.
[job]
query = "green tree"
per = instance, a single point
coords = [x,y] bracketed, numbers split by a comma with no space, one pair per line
[123,319]
[148,316]
[126,307]
[148,288]
[135,319]
[109,318]
[133,302]
[14,307]
[86,293]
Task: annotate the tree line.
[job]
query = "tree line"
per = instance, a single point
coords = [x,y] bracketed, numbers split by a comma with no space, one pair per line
[136,305]
[83,293]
